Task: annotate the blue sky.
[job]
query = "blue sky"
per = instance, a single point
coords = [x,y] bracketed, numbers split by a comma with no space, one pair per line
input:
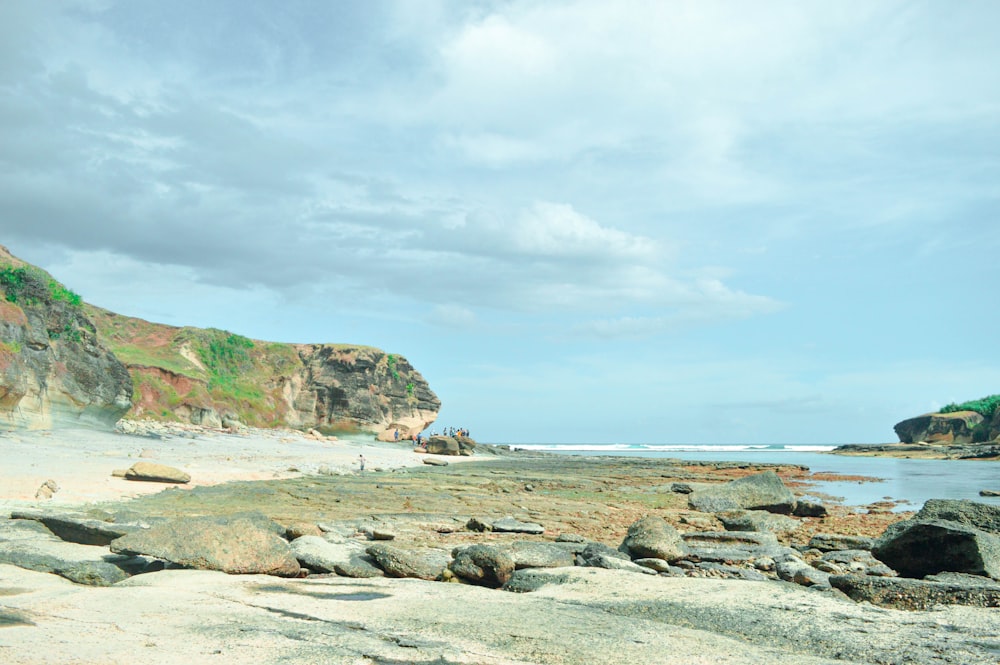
[582,221]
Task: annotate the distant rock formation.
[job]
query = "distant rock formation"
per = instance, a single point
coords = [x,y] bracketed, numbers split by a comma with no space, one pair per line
[54,371]
[65,361]
[949,428]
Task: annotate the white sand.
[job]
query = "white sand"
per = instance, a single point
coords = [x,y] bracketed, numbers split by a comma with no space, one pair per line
[81,461]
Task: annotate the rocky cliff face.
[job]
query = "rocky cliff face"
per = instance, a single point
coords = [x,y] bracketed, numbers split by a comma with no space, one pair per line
[53,369]
[63,361]
[215,378]
[946,428]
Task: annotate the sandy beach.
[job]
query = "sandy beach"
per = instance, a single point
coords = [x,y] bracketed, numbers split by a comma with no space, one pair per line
[81,461]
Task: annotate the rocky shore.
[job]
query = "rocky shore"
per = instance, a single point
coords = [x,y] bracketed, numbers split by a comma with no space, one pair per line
[503,558]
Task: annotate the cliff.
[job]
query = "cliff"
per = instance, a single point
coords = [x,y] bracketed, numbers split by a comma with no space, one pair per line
[65,361]
[54,370]
[217,378]
[977,421]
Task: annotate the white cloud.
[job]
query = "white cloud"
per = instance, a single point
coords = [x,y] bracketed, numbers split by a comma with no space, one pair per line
[556,229]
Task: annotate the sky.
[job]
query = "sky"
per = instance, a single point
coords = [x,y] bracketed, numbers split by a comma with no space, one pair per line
[582,221]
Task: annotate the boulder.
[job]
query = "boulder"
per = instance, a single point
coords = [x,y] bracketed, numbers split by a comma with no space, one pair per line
[443,445]
[652,537]
[359,566]
[909,594]
[918,547]
[797,571]
[421,563]
[594,553]
[809,509]
[761,491]
[511,525]
[757,520]
[157,473]
[982,516]
[434,461]
[481,564]
[597,555]
[319,554]
[241,544]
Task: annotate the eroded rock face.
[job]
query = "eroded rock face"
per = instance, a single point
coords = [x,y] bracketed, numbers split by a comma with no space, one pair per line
[364,388]
[53,369]
[939,427]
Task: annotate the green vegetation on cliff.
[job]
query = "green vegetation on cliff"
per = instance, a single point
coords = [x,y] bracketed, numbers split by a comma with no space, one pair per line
[984,406]
[28,285]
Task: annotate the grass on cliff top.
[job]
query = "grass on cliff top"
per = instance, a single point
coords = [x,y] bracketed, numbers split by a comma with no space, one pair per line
[28,285]
[985,406]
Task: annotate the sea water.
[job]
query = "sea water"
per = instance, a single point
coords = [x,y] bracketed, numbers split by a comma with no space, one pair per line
[910,482]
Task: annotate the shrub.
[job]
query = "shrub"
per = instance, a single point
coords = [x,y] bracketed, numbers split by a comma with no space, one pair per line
[24,286]
[985,406]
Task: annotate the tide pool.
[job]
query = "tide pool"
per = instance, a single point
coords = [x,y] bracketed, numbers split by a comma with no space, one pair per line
[912,481]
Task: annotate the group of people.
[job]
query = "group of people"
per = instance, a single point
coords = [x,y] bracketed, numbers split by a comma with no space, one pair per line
[452,431]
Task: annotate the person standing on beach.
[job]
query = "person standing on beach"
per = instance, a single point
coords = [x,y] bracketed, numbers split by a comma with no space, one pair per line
[361,461]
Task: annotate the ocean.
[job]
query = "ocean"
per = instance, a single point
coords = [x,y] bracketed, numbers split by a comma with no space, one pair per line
[910,482]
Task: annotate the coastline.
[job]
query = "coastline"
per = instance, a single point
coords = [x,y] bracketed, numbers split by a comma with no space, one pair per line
[574,615]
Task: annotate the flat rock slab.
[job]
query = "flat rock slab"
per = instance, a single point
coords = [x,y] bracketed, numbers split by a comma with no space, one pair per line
[908,594]
[83,564]
[235,545]
[828,542]
[511,525]
[77,528]
[156,473]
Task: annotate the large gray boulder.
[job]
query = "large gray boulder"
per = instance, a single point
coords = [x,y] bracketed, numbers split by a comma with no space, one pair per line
[483,564]
[761,491]
[443,445]
[420,563]
[241,544]
[982,516]
[652,537]
[916,548]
